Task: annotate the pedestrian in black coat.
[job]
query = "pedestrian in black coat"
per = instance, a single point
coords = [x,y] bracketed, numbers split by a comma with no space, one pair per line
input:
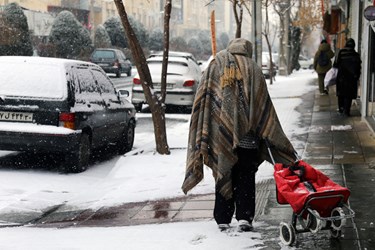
[348,62]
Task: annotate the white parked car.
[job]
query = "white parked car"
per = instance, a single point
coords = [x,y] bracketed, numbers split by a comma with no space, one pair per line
[204,64]
[183,76]
[266,62]
[305,63]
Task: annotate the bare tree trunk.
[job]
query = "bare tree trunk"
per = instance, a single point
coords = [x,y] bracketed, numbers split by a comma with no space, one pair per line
[237,17]
[280,8]
[157,110]
[167,17]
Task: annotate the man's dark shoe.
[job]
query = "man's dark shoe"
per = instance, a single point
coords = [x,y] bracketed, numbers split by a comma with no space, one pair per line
[244,226]
[223,227]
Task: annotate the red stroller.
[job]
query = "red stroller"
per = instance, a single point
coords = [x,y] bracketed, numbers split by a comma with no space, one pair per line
[318,203]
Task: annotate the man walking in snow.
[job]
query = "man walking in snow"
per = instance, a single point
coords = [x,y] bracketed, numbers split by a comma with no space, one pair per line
[232,117]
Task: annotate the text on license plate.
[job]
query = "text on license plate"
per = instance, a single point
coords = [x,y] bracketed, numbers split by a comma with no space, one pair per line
[16,116]
[169,85]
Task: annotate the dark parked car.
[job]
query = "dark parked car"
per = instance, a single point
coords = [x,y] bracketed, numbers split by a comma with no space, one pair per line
[112,61]
[62,106]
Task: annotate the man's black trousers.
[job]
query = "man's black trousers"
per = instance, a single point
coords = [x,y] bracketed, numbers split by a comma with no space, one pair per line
[243,182]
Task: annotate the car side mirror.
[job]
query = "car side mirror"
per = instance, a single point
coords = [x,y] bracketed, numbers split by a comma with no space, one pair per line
[122,93]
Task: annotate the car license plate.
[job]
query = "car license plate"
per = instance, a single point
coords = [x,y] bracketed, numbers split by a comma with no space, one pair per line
[103,64]
[16,116]
[158,85]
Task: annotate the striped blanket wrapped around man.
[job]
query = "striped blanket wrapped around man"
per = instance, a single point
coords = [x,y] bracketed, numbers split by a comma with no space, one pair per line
[231,101]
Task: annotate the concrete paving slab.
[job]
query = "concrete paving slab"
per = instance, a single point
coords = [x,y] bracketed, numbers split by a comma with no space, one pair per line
[198,205]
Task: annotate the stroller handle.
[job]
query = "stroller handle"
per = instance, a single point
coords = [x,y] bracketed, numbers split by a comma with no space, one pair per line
[271,155]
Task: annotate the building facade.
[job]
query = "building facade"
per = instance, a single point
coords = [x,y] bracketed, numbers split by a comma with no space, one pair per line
[187,17]
[366,38]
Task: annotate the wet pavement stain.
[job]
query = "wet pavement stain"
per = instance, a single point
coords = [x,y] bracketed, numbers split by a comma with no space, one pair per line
[161,210]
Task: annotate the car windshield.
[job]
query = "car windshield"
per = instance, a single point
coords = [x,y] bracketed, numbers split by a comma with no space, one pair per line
[109,54]
[173,68]
[33,80]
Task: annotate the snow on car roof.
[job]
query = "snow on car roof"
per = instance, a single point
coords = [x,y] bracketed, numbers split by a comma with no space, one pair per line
[41,60]
[173,53]
[41,77]
[170,59]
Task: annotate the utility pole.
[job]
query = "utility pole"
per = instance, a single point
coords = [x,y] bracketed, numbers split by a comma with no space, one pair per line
[256,32]
[284,38]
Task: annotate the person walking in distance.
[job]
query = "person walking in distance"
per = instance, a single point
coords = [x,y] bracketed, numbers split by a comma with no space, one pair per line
[348,63]
[232,117]
[322,63]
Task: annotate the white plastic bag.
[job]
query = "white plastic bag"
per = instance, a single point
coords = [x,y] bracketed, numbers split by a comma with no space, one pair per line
[330,78]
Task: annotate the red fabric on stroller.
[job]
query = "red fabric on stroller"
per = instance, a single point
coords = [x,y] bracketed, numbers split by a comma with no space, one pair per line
[294,190]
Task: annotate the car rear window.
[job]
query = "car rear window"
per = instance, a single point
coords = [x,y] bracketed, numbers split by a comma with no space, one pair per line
[32,80]
[173,68]
[107,54]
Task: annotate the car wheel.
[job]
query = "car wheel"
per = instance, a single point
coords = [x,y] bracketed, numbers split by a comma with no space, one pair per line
[129,73]
[127,140]
[78,161]
[138,107]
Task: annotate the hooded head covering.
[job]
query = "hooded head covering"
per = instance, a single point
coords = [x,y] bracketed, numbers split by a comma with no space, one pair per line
[229,71]
[240,46]
[350,43]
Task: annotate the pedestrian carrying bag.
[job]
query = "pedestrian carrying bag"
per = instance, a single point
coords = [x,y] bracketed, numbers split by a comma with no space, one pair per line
[330,78]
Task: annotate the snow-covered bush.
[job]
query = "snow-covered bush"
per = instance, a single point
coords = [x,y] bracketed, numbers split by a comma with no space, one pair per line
[14,25]
[69,37]
[101,38]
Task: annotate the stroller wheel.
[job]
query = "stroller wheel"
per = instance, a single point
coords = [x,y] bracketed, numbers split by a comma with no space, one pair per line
[314,223]
[338,224]
[335,234]
[287,233]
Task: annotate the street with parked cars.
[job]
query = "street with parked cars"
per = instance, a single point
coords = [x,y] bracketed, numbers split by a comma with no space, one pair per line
[88,106]
[71,108]
[68,113]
